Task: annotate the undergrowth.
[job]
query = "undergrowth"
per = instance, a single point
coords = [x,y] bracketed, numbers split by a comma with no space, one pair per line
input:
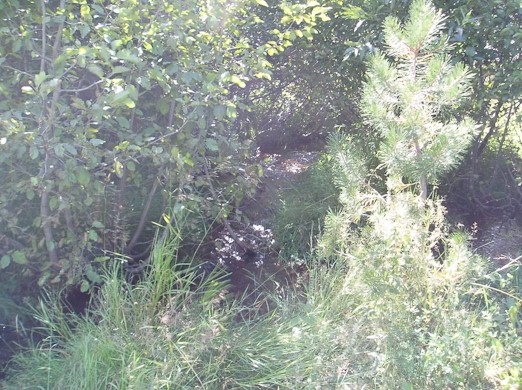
[177,330]
[304,207]
[375,315]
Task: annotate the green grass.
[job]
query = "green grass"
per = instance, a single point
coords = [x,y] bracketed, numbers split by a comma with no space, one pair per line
[304,207]
[376,316]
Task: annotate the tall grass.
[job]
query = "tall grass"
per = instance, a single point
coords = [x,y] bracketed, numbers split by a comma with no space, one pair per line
[375,314]
[176,330]
[303,209]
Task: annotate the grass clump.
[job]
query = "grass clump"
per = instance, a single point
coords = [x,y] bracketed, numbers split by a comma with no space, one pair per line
[176,330]
[303,209]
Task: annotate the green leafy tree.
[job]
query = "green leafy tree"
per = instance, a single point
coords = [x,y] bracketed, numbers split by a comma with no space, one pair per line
[109,109]
[487,36]
[410,99]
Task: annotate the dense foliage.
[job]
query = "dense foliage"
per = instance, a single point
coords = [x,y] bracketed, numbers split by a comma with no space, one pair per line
[118,114]
[111,110]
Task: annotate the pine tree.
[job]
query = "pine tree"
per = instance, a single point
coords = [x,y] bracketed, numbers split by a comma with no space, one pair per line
[410,97]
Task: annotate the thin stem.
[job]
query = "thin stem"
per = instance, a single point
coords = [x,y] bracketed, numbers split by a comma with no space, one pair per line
[44,37]
[143,218]
[59,31]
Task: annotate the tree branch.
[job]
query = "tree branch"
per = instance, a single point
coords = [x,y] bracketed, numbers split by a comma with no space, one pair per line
[58,40]
[141,225]
[501,146]
[44,37]
[45,214]
[492,127]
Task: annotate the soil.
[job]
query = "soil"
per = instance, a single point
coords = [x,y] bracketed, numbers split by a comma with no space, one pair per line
[500,241]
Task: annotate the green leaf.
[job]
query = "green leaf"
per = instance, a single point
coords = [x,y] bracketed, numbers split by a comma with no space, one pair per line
[98,225]
[83,176]
[122,98]
[92,275]
[219,111]
[236,80]
[212,144]
[118,168]
[59,150]
[71,149]
[5,261]
[129,103]
[93,236]
[470,51]
[44,278]
[33,152]
[263,75]
[85,286]
[271,51]
[19,257]
[28,90]
[120,69]
[353,12]
[202,123]
[127,55]
[262,2]
[188,160]
[147,46]
[83,50]
[84,29]
[120,95]
[96,70]
[231,111]
[172,69]
[163,106]
[96,141]
[39,78]
[144,82]
[85,10]
[123,122]
[53,203]
[187,77]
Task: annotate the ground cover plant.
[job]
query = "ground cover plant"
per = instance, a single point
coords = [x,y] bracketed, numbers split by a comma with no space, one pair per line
[376,316]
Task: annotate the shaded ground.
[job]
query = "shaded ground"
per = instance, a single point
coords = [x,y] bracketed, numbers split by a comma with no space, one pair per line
[250,254]
[500,241]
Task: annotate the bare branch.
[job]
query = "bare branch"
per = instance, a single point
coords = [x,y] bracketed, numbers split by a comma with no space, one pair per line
[44,37]
[84,88]
[143,218]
